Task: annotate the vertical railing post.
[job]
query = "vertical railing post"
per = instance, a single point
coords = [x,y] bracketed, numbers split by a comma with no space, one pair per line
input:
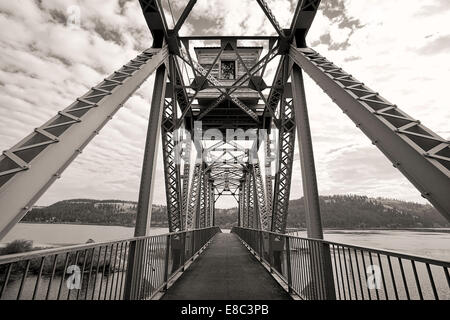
[129,281]
[277,247]
[176,248]
[288,263]
[327,272]
[192,245]
[134,271]
[271,258]
[261,246]
[183,252]
[166,263]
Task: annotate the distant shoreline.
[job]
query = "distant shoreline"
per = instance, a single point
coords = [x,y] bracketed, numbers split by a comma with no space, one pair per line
[445,230]
[86,224]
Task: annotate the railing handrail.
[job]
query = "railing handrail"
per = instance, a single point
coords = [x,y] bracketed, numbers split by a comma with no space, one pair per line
[15,257]
[441,263]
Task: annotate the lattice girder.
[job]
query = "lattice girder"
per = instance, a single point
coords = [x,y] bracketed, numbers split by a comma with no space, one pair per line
[286,141]
[194,197]
[260,194]
[171,166]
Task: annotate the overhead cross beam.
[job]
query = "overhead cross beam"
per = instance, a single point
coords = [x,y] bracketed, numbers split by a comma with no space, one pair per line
[217,84]
[261,64]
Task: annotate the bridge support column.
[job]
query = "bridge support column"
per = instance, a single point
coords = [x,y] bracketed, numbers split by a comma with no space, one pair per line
[261,217]
[144,209]
[244,215]
[194,196]
[212,204]
[286,146]
[268,178]
[320,258]
[240,203]
[251,201]
[186,173]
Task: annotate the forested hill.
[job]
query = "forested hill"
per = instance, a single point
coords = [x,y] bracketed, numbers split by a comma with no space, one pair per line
[352,211]
[346,212]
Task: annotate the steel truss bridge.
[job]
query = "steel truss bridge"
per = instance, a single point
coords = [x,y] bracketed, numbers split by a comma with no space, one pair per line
[198,169]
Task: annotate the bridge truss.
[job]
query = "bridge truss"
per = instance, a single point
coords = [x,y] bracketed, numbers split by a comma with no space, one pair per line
[199,171]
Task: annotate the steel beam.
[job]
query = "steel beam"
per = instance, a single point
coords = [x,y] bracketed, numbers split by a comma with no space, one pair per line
[268,177]
[260,195]
[216,83]
[204,202]
[194,197]
[420,154]
[276,93]
[186,174]
[245,209]
[271,17]
[303,17]
[182,98]
[171,158]
[211,204]
[155,20]
[240,203]
[144,208]
[29,168]
[251,216]
[184,15]
[286,143]
[320,257]
[309,180]
[197,37]
[261,64]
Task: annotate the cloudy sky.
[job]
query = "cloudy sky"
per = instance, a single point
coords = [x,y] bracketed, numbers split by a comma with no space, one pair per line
[398,48]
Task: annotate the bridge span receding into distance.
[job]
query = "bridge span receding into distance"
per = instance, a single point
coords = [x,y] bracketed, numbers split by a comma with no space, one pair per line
[204,264]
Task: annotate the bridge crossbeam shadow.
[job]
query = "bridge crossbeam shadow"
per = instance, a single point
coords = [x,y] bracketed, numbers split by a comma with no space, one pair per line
[226,271]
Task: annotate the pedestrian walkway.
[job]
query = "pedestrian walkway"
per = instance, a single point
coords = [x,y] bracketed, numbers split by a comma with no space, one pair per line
[226,271]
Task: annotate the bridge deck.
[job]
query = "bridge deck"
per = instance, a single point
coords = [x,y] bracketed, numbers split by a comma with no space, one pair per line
[226,271]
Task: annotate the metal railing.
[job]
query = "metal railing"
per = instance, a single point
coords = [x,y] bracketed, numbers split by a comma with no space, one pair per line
[319,269]
[101,271]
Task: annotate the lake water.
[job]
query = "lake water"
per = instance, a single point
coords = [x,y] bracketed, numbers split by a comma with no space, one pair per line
[434,243]
[429,243]
[67,234]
